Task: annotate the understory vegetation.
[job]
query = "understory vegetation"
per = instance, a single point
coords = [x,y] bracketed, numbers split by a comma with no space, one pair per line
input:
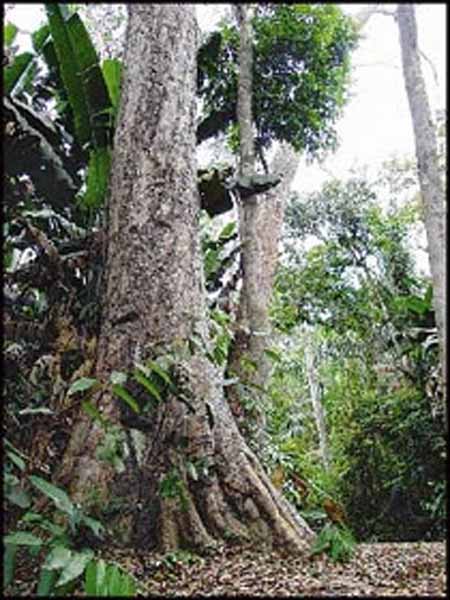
[355,301]
[354,329]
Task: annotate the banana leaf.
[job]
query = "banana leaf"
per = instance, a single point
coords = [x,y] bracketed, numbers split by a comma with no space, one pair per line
[70,72]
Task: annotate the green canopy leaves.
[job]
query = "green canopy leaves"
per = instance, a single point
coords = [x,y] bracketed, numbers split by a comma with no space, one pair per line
[301,66]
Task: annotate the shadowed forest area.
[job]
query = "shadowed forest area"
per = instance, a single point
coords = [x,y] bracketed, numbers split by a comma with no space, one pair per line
[214,383]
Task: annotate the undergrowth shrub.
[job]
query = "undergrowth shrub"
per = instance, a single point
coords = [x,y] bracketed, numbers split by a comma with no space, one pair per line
[60,537]
[381,435]
[336,541]
[396,443]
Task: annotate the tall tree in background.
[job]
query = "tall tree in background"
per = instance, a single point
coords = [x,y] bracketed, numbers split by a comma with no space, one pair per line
[193,480]
[316,391]
[259,227]
[428,168]
[306,72]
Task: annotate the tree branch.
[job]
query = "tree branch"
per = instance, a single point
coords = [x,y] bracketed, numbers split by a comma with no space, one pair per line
[433,68]
[363,16]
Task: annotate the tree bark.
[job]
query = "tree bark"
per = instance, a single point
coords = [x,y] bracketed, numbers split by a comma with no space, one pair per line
[193,481]
[260,222]
[431,186]
[316,401]
[260,233]
[244,104]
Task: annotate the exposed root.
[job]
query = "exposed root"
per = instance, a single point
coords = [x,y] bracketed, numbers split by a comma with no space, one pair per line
[228,497]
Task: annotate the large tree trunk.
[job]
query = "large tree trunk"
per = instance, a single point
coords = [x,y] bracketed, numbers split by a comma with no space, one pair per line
[431,186]
[193,481]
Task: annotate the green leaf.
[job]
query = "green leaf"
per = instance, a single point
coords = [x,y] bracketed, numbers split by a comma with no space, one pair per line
[114,579]
[18,496]
[145,369]
[9,479]
[160,372]
[16,450]
[129,586]
[148,385]
[428,299]
[119,583]
[76,567]
[75,519]
[192,471]
[56,494]
[49,55]
[9,34]
[70,72]
[97,177]
[20,463]
[92,76]
[46,583]
[12,75]
[36,411]
[40,37]
[57,558]
[211,261]
[31,517]
[9,563]
[228,231]
[273,355]
[55,529]
[95,579]
[416,305]
[95,526]
[82,384]
[126,397]
[108,448]
[90,579]
[170,485]
[22,538]
[93,412]
[320,545]
[34,550]
[112,73]
[118,464]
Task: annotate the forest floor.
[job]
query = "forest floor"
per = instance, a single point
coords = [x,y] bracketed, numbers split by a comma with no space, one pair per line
[381,569]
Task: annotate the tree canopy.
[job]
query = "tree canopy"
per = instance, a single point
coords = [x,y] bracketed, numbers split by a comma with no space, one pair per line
[300,73]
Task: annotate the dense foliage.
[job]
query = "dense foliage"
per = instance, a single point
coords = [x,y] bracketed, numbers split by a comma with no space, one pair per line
[300,75]
[355,298]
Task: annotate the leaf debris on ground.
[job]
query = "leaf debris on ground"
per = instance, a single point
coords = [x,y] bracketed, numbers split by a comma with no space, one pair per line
[386,569]
[378,569]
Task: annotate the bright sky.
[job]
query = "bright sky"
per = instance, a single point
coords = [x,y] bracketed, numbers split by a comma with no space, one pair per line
[377,121]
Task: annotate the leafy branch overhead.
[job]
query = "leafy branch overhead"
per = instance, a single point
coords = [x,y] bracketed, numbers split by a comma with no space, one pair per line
[300,75]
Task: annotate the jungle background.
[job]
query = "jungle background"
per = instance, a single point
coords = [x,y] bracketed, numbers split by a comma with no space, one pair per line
[354,430]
